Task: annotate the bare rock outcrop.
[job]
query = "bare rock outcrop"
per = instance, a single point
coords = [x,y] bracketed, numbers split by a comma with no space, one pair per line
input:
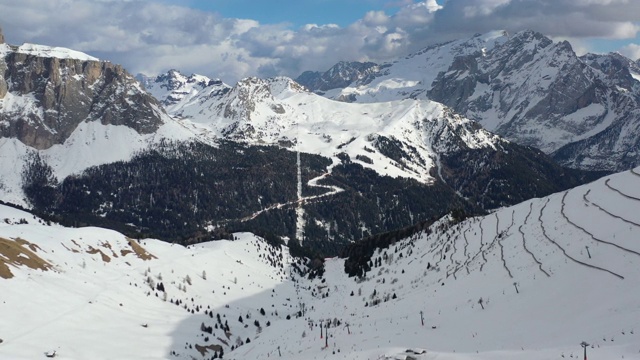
[52,96]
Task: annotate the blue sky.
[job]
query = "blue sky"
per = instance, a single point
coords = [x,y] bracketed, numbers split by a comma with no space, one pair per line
[296,12]
[232,39]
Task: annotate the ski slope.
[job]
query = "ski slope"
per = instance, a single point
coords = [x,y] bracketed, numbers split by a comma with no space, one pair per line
[551,273]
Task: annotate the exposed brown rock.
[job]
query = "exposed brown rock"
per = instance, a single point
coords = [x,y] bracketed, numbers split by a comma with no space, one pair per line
[65,92]
[14,253]
[141,252]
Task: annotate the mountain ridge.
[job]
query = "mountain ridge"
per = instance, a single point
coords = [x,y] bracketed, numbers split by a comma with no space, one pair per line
[526,88]
[309,157]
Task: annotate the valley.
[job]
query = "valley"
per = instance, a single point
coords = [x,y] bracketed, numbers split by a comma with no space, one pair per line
[476,199]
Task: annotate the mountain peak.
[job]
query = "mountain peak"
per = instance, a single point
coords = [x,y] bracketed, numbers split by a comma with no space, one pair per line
[1,36]
[530,36]
[338,76]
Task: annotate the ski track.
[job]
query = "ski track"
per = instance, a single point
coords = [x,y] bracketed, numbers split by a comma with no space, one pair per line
[524,242]
[333,190]
[620,192]
[564,215]
[546,236]
[586,200]
[482,252]
[499,238]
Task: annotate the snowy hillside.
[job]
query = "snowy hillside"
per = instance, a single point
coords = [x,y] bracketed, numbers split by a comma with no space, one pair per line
[91,144]
[279,111]
[530,281]
[92,293]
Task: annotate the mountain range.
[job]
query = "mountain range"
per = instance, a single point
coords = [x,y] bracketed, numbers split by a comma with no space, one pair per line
[457,203]
[581,110]
[193,158]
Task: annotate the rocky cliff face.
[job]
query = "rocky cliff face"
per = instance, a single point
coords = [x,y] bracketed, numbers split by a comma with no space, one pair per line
[46,92]
[340,75]
[539,93]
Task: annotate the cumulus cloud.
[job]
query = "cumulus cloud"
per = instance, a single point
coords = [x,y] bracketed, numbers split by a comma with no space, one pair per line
[152,36]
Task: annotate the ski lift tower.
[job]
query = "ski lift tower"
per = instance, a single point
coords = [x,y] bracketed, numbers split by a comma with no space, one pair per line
[584,346]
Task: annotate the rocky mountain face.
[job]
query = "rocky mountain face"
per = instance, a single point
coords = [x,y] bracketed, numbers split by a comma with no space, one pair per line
[540,93]
[174,90]
[339,76]
[581,110]
[45,93]
[410,77]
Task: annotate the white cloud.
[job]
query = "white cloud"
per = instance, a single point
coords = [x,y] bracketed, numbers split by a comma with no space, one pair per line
[151,36]
[632,51]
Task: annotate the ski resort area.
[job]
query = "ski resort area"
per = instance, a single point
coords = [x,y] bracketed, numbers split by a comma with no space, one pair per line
[320,180]
[531,281]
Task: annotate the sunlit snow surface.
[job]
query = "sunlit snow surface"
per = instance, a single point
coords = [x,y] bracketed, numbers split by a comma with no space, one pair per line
[54,52]
[278,111]
[91,144]
[87,308]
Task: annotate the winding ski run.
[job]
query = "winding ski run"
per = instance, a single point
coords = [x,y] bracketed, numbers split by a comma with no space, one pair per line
[301,201]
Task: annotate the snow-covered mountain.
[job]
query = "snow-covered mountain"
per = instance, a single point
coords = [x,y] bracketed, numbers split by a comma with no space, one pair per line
[531,281]
[280,111]
[74,111]
[527,88]
[340,75]
[47,92]
[175,90]
[412,75]
[247,157]
[307,154]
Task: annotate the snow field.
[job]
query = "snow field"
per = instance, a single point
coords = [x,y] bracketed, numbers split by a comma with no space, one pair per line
[543,291]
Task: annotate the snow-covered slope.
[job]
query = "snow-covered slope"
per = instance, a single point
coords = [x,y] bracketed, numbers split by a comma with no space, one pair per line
[550,272]
[412,76]
[279,111]
[53,52]
[92,293]
[175,90]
